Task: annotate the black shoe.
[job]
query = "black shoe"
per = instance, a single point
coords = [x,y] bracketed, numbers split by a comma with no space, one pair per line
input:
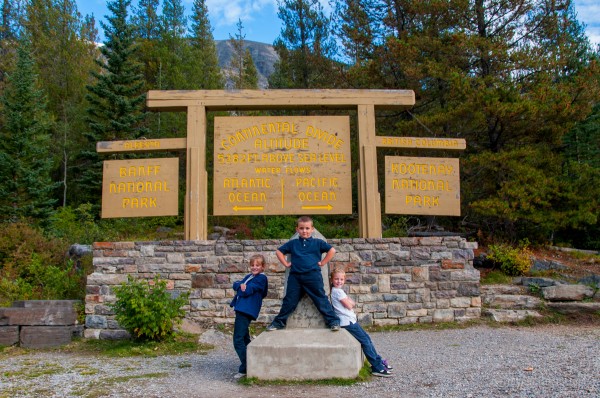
[382,373]
[272,327]
[335,328]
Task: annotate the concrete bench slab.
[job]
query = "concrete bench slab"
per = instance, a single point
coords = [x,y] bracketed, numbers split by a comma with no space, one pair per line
[304,354]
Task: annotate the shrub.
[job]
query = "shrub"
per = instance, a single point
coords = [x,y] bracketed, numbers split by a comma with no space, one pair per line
[513,261]
[147,310]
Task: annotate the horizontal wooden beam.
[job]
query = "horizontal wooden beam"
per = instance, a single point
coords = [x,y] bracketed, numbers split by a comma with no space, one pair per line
[179,100]
[163,144]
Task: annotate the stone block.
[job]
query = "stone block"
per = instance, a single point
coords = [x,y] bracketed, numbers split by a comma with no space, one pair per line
[38,316]
[9,335]
[567,292]
[45,336]
[304,354]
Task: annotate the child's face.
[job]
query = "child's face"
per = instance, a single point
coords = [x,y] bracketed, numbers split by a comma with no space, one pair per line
[256,267]
[305,229]
[338,280]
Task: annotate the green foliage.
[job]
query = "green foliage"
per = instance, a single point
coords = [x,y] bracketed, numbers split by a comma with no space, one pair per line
[25,159]
[276,227]
[146,309]
[33,267]
[496,278]
[394,227]
[513,261]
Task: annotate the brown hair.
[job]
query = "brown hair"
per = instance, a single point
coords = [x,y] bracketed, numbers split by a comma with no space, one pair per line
[304,219]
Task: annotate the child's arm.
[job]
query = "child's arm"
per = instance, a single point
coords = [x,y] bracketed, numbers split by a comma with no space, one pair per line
[328,257]
[347,302]
[258,284]
[282,259]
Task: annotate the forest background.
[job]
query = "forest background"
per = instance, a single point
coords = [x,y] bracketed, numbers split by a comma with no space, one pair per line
[518,80]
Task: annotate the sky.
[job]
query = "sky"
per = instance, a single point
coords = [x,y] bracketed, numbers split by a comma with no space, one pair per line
[260,21]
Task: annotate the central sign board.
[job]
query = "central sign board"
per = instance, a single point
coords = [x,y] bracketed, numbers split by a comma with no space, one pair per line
[282,165]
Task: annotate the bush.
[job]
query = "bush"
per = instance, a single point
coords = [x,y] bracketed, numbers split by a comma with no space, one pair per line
[147,310]
[513,261]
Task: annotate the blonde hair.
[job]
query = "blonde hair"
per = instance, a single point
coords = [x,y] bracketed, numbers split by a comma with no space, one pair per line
[257,258]
[336,271]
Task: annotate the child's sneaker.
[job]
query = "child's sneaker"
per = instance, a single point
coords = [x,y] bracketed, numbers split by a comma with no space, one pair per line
[382,373]
[239,375]
[335,328]
[387,365]
[272,327]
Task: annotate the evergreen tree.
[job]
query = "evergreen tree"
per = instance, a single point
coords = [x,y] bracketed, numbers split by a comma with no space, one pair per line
[25,146]
[64,48]
[205,71]
[116,99]
[236,63]
[249,74]
[10,28]
[305,46]
[146,20]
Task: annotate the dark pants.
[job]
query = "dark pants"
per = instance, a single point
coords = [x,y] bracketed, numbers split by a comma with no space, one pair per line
[310,283]
[241,337]
[367,345]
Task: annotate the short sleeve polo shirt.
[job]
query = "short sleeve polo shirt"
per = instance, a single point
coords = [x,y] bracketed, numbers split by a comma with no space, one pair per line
[305,253]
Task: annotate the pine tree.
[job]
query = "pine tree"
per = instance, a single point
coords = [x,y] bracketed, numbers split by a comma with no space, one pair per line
[146,20]
[25,146]
[205,71]
[236,63]
[305,46]
[116,99]
[64,48]
[249,74]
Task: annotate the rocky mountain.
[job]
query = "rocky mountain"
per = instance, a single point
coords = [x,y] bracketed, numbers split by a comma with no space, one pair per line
[263,54]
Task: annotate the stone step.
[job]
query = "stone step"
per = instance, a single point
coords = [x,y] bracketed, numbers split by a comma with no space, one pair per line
[574,307]
[503,289]
[512,301]
[505,315]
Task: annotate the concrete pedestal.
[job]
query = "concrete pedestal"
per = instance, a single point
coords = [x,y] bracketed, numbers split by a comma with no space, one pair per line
[304,354]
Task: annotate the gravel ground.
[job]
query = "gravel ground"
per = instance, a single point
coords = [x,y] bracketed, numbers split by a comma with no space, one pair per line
[548,361]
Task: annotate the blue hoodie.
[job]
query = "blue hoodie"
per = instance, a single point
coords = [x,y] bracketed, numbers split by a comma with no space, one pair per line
[250,301]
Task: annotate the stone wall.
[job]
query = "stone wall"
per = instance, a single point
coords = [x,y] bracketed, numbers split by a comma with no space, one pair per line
[394,281]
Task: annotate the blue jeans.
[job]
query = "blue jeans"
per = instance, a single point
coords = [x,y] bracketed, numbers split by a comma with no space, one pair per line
[367,345]
[241,337]
[310,283]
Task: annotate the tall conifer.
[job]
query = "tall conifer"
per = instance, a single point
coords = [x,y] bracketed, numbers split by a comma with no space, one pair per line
[25,146]
[116,99]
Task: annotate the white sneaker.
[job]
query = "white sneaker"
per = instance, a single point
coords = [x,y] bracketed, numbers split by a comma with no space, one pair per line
[239,375]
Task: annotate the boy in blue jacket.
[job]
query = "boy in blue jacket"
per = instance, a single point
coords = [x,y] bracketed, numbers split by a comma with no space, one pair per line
[247,302]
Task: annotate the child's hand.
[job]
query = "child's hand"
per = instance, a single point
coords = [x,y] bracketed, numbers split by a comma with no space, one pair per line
[287,265]
[243,287]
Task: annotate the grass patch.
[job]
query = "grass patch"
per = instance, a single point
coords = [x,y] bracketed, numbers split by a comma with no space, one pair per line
[425,326]
[363,375]
[496,277]
[176,345]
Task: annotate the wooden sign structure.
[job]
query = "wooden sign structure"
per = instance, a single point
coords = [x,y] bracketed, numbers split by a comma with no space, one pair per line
[282,165]
[233,179]
[198,102]
[230,178]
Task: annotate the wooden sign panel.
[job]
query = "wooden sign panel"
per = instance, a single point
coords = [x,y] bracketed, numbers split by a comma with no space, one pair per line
[423,186]
[421,143]
[282,165]
[140,187]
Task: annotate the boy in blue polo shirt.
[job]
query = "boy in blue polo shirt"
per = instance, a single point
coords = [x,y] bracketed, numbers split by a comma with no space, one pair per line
[305,275]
